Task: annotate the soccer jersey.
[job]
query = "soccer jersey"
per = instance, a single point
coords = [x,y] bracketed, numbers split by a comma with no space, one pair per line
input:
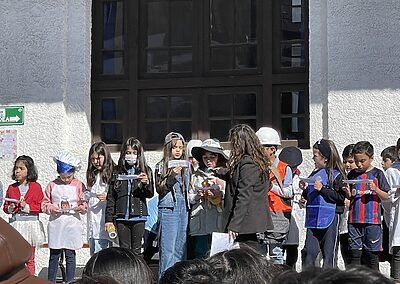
[365,205]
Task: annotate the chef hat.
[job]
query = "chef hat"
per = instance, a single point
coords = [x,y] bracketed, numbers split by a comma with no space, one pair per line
[66,162]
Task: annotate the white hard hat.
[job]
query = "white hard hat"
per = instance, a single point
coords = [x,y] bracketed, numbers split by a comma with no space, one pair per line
[268,136]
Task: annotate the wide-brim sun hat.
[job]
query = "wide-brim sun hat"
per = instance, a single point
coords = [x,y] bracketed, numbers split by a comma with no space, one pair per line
[192,143]
[291,156]
[209,145]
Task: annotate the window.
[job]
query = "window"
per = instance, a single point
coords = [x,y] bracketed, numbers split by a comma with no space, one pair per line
[199,67]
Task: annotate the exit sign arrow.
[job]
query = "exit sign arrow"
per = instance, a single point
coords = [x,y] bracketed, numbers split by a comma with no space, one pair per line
[12,115]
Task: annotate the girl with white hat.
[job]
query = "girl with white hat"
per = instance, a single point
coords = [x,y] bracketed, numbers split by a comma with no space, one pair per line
[64,201]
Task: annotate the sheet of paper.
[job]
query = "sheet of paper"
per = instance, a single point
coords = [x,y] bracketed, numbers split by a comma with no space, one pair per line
[178,163]
[356,181]
[220,242]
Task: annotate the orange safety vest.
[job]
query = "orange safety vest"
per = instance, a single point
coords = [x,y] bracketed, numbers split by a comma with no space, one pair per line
[277,203]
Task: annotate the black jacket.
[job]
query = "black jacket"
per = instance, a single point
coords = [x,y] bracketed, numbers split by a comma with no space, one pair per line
[246,202]
[117,197]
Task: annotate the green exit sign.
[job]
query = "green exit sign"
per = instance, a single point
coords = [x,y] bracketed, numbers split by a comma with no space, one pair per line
[12,115]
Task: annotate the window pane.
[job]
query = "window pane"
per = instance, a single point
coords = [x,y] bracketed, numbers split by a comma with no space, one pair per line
[250,122]
[181,61]
[221,58]
[292,21]
[157,24]
[155,132]
[246,57]
[113,25]
[156,107]
[181,23]
[292,55]
[219,129]
[292,128]
[219,105]
[246,21]
[221,21]
[111,109]
[183,127]
[245,104]
[181,107]
[157,61]
[111,133]
[293,102]
[113,63]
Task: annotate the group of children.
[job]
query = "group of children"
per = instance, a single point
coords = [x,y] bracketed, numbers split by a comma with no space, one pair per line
[342,197]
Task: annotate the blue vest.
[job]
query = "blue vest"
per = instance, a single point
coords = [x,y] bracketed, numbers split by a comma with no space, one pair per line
[319,212]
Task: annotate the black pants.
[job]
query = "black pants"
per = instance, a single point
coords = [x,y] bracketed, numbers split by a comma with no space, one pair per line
[150,245]
[395,268]
[324,240]
[130,234]
[292,254]
[344,247]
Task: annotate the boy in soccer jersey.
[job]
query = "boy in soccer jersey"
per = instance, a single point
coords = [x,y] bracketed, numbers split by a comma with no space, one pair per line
[365,230]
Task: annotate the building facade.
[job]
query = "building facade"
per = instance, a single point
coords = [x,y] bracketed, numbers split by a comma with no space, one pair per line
[111,69]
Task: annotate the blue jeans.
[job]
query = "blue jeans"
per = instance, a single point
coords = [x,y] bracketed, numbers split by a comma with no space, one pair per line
[70,260]
[97,245]
[172,239]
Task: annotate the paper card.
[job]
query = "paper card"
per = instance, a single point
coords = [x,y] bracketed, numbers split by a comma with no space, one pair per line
[178,163]
[68,210]
[356,181]
[127,177]
[221,242]
[11,200]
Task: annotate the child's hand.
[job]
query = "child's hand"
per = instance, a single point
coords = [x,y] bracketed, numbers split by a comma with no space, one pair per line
[177,170]
[80,209]
[303,200]
[144,178]
[346,188]
[22,203]
[102,196]
[302,185]
[372,185]
[317,185]
[55,210]
[11,207]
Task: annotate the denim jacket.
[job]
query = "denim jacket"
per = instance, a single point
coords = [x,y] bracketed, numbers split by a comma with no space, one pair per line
[168,186]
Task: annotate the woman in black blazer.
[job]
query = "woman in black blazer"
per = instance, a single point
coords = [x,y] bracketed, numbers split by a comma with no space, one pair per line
[246,210]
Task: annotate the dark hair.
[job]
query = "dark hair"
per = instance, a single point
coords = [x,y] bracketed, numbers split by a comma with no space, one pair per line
[121,264]
[195,271]
[398,149]
[333,160]
[106,174]
[316,275]
[364,147]
[245,266]
[348,151]
[167,156]
[100,279]
[141,160]
[389,153]
[32,174]
[245,142]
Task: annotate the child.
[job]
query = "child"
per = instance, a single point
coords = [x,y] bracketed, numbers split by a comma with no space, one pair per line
[393,176]
[349,164]
[126,199]
[280,193]
[388,156]
[293,157]
[98,177]
[325,201]
[172,184]
[365,231]
[206,196]
[194,164]
[64,201]
[26,195]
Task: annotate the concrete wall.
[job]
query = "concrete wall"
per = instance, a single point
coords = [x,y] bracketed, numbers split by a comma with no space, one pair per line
[45,51]
[46,66]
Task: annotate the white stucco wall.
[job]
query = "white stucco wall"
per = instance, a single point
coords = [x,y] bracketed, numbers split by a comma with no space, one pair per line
[46,65]
[45,51]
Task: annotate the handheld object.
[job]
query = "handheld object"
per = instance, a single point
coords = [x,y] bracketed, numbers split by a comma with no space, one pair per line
[178,163]
[112,233]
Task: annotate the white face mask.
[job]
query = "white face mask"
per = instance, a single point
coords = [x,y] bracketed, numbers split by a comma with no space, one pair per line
[131,159]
